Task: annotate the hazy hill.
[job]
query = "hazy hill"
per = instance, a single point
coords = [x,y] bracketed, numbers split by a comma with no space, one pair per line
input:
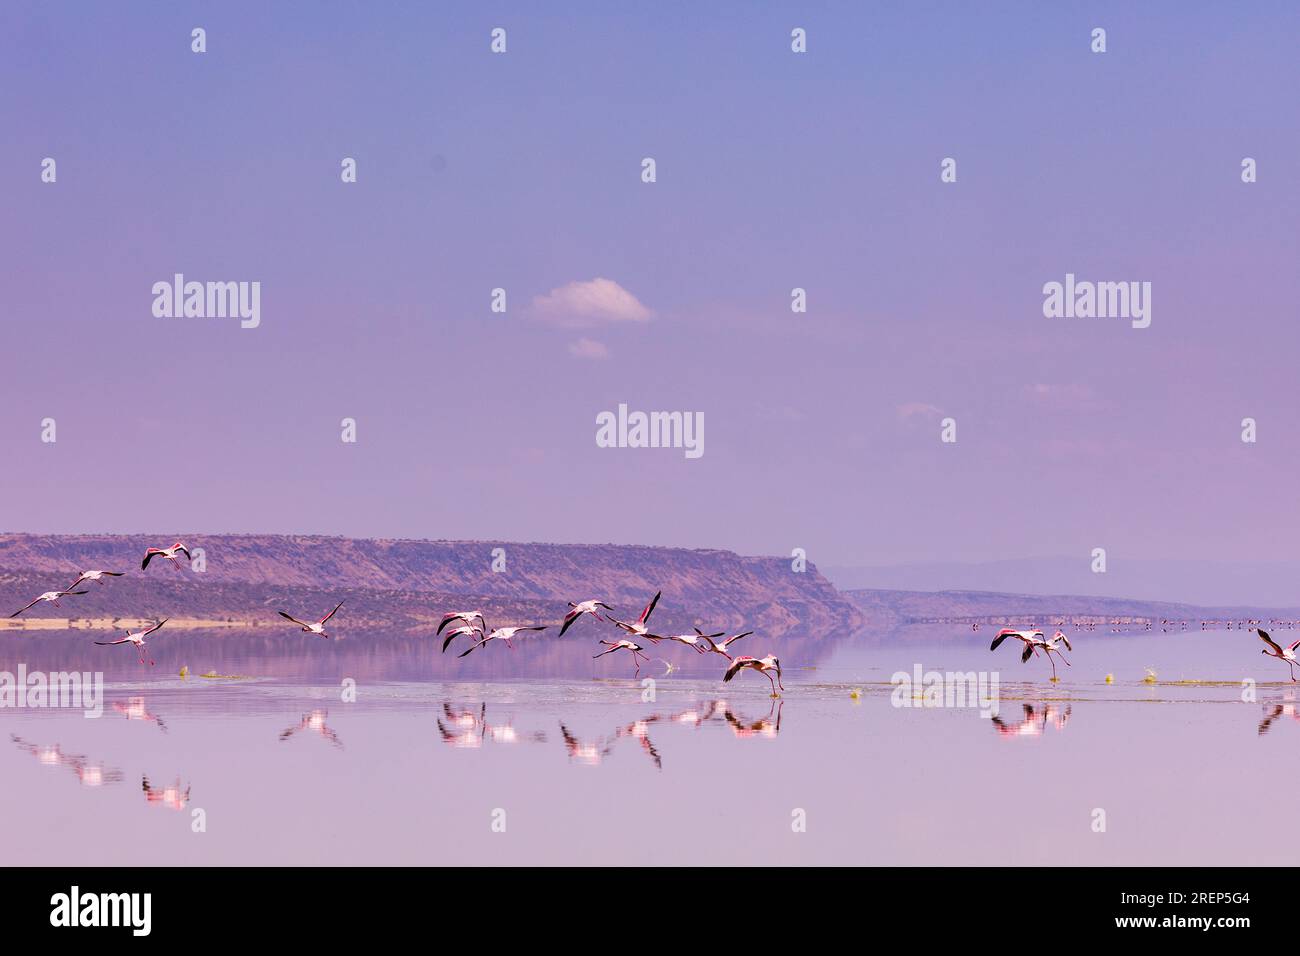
[408,583]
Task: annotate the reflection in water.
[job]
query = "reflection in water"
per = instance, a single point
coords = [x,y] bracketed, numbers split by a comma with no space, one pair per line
[90,774]
[1034,722]
[1273,712]
[315,721]
[764,727]
[136,709]
[465,728]
[172,797]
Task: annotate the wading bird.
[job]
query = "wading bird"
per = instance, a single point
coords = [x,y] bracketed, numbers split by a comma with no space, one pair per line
[137,638]
[51,596]
[760,664]
[97,576]
[168,553]
[1281,653]
[640,627]
[319,627]
[581,608]
[713,648]
[503,634]
[699,640]
[467,617]
[638,652]
[456,632]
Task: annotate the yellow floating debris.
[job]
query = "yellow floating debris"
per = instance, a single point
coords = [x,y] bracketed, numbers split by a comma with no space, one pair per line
[1110,678]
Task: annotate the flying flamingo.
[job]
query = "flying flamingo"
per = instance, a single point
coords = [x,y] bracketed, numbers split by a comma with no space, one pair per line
[639,628]
[456,632]
[51,596]
[97,576]
[503,634]
[467,617]
[319,627]
[137,638]
[168,553]
[638,652]
[760,664]
[699,640]
[1283,654]
[581,608]
[722,648]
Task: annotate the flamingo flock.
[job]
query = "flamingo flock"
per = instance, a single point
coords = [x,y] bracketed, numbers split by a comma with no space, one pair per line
[473,624]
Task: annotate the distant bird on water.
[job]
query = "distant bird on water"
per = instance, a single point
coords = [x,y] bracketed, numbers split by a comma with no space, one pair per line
[1274,650]
[137,638]
[168,553]
[319,627]
[581,608]
[760,664]
[51,596]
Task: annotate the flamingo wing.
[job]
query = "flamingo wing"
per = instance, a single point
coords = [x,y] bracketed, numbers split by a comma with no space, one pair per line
[1263,634]
[331,613]
[21,609]
[111,643]
[156,626]
[645,615]
[1029,650]
[290,617]
[149,556]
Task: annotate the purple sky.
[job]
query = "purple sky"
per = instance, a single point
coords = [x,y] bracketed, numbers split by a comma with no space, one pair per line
[775,170]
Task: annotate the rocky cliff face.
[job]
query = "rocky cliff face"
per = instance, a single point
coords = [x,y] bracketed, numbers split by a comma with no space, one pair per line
[410,583]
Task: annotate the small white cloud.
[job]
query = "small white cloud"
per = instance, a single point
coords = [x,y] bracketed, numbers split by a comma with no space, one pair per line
[588,349]
[583,305]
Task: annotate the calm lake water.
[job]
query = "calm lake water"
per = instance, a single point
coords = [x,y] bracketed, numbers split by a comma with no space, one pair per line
[579,768]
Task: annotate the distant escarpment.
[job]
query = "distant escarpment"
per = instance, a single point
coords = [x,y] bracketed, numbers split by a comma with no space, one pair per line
[408,584]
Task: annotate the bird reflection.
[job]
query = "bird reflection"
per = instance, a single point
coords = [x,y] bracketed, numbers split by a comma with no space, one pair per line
[315,721]
[768,726]
[136,709]
[590,754]
[1034,722]
[640,729]
[467,729]
[90,773]
[1273,712]
[172,797]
